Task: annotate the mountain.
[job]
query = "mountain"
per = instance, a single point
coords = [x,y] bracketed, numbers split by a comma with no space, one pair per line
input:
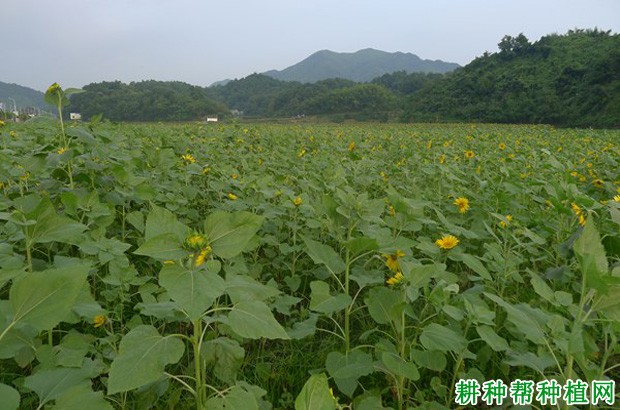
[361,66]
[23,96]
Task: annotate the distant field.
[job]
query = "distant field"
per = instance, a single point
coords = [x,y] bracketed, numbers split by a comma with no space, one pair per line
[310,266]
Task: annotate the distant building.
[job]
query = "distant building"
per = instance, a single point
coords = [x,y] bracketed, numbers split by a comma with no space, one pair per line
[75,116]
[212,119]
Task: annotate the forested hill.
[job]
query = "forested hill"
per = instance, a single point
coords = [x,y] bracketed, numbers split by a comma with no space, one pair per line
[566,80]
[570,80]
[145,101]
[21,96]
[363,65]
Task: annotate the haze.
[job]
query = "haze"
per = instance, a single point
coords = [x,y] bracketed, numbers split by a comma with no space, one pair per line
[199,42]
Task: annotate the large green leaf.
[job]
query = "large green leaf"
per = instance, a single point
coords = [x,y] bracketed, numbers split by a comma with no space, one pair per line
[385,305]
[325,255]
[236,398]
[161,221]
[438,337]
[194,291]
[322,301]
[495,341]
[521,319]
[162,247]
[591,255]
[44,299]
[347,368]
[226,356]
[142,357]
[53,383]
[9,398]
[81,397]
[253,319]
[315,394]
[400,367]
[230,233]
[241,287]
[474,264]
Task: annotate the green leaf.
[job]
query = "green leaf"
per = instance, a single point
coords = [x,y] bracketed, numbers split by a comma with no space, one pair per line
[399,367]
[51,227]
[81,397]
[163,247]
[362,244]
[230,233]
[241,287]
[523,322]
[438,337]
[385,305]
[591,255]
[237,398]
[474,264]
[430,359]
[531,360]
[346,369]
[44,299]
[322,301]
[51,384]
[194,291]
[161,221]
[495,341]
[315,394]
[9,398]
[226,356]
[324,254]
[541,288]
[142,357]
[253,319]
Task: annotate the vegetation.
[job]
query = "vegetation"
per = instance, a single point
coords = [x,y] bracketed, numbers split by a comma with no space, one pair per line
[571,80]
[321,267]
[145,101]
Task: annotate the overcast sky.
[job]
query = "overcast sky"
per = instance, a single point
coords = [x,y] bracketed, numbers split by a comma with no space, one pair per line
[77,42]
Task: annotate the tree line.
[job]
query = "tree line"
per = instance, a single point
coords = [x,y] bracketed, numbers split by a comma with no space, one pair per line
[568,80]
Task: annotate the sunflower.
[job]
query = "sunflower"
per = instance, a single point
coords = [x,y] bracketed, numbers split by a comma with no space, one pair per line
[462,203]
[469,154]
[598,183]
[297,201]
[502,146]
[200,259]
[232,196]
[189,158]
[99,320]
[396,279]
[351,145]
[447,242]
[196,241]
[391,261]
[503,224]
[617,198]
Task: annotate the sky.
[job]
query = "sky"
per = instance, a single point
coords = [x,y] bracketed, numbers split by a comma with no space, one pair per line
[78,42]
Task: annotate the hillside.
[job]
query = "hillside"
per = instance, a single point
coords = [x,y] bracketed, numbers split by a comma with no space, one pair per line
[569,80]
[23,96]
[361,66]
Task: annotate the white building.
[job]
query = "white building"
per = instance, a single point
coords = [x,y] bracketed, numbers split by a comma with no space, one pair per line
[75,116]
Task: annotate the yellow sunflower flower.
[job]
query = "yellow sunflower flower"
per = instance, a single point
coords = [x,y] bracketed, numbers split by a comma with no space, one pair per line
[351,146]
[447,242]
[297,201]
[391,261]
[469,154]
[502,146]
[196,241]
[232,196]
[189,158]
[99,320]
[462,203]
[396,279]
[200,259]
[503,224]
[617,198]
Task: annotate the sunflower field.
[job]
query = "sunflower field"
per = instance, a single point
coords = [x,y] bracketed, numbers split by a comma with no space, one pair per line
[304,266]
